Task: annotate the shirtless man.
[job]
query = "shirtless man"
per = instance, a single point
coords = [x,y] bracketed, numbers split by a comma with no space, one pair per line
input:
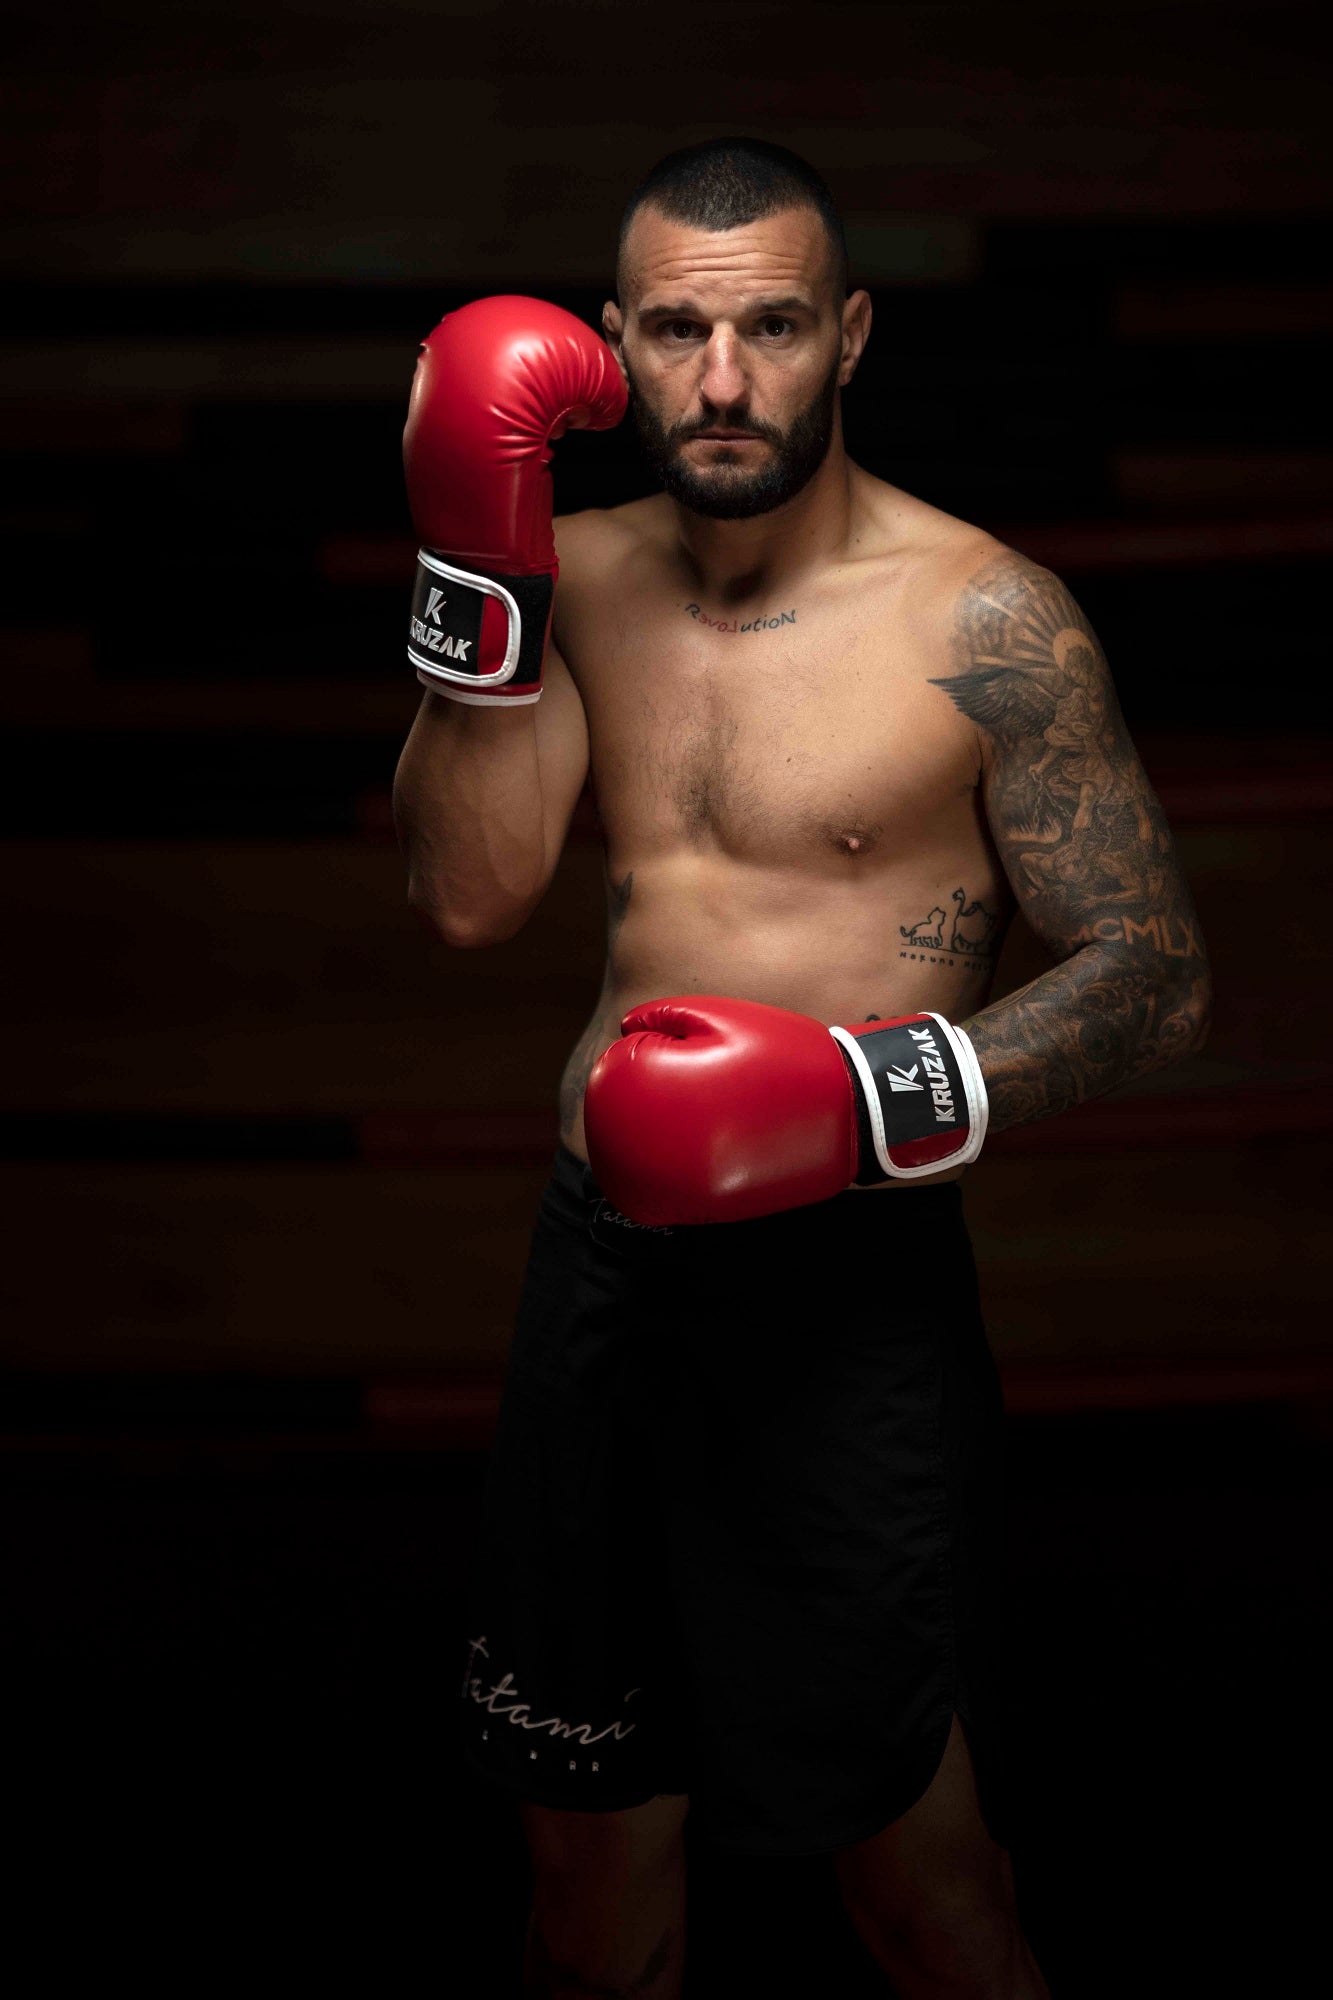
[740,1556]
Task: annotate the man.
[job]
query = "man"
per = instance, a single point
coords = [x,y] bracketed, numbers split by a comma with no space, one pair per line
[741,1554]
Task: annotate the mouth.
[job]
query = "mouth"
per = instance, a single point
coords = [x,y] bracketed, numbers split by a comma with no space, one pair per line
[726,437]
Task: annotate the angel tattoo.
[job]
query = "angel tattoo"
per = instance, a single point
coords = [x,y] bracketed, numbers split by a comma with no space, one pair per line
[1032,677]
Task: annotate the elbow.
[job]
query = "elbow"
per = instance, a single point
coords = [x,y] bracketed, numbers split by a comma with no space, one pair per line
[463,930]
[1193,1011]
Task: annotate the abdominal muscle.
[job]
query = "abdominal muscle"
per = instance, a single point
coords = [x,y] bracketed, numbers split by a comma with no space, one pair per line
[828,947]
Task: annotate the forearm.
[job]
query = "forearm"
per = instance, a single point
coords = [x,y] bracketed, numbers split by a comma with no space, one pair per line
[467,803]
[495,383]
[1088,1025]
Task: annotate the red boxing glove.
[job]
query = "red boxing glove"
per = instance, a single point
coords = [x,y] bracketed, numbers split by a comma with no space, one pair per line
[496,383]
[716,1110]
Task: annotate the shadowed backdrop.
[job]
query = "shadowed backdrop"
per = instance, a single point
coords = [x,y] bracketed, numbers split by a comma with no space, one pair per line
[271,1152]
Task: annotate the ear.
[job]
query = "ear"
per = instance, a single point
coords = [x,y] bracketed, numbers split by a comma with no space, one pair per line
[613,332]
[856,316]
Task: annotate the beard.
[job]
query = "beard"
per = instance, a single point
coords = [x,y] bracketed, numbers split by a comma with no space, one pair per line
[725,492]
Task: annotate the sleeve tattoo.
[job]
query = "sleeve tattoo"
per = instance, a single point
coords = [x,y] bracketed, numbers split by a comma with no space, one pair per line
[1087,851]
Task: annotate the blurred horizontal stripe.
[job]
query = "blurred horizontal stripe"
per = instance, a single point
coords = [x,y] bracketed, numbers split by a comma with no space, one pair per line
[521,1137]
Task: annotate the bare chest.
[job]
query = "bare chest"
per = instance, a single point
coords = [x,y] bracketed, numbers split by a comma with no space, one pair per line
[784,733]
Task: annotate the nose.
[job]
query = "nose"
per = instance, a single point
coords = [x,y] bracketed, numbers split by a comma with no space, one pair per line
[723,383]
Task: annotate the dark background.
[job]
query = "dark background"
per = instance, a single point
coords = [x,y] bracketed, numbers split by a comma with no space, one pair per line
[272,1153]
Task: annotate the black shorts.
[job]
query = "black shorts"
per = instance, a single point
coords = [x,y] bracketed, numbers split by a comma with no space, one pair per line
[742,1530]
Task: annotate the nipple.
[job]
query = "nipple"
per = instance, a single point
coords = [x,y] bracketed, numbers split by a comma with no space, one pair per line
[852,839]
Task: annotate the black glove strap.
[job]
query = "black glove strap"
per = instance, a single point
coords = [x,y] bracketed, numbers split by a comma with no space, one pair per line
[444,635]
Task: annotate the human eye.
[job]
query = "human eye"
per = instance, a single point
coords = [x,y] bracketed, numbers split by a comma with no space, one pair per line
[774,327]
[677,330]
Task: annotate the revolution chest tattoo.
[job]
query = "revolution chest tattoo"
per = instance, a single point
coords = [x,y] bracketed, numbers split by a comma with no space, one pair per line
[768,623]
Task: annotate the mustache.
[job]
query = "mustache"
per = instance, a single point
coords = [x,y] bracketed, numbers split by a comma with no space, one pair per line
[682,433]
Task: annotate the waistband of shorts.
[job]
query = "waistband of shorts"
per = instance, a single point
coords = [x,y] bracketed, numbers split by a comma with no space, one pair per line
[909,1210]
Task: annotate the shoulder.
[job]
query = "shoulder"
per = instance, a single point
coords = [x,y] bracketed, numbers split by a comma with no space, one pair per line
[606,555]
[1021,654]
[920,547]
[1002,601]
[1013,651]
[603,538]
[960,572]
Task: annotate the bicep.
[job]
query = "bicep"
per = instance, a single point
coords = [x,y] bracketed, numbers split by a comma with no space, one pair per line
[1084,841]
[1078,828]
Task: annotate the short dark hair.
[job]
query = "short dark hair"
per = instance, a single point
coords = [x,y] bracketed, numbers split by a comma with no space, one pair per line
[723,183]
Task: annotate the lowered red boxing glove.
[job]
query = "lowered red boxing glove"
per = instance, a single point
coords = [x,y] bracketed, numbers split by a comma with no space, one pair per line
[716,1110]
[496,383]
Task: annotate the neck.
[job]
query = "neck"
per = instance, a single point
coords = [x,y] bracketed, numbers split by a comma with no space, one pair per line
[732,561]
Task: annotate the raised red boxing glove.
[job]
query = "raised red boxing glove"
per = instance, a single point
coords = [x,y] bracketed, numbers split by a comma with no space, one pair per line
[719,1110]
[496,383]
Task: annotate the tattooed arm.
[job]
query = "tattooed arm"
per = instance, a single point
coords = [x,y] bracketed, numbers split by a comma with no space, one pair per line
[1086,848]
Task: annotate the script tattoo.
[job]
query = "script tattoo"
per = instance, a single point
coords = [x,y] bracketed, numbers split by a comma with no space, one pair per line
[1087,849]
[770,622]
